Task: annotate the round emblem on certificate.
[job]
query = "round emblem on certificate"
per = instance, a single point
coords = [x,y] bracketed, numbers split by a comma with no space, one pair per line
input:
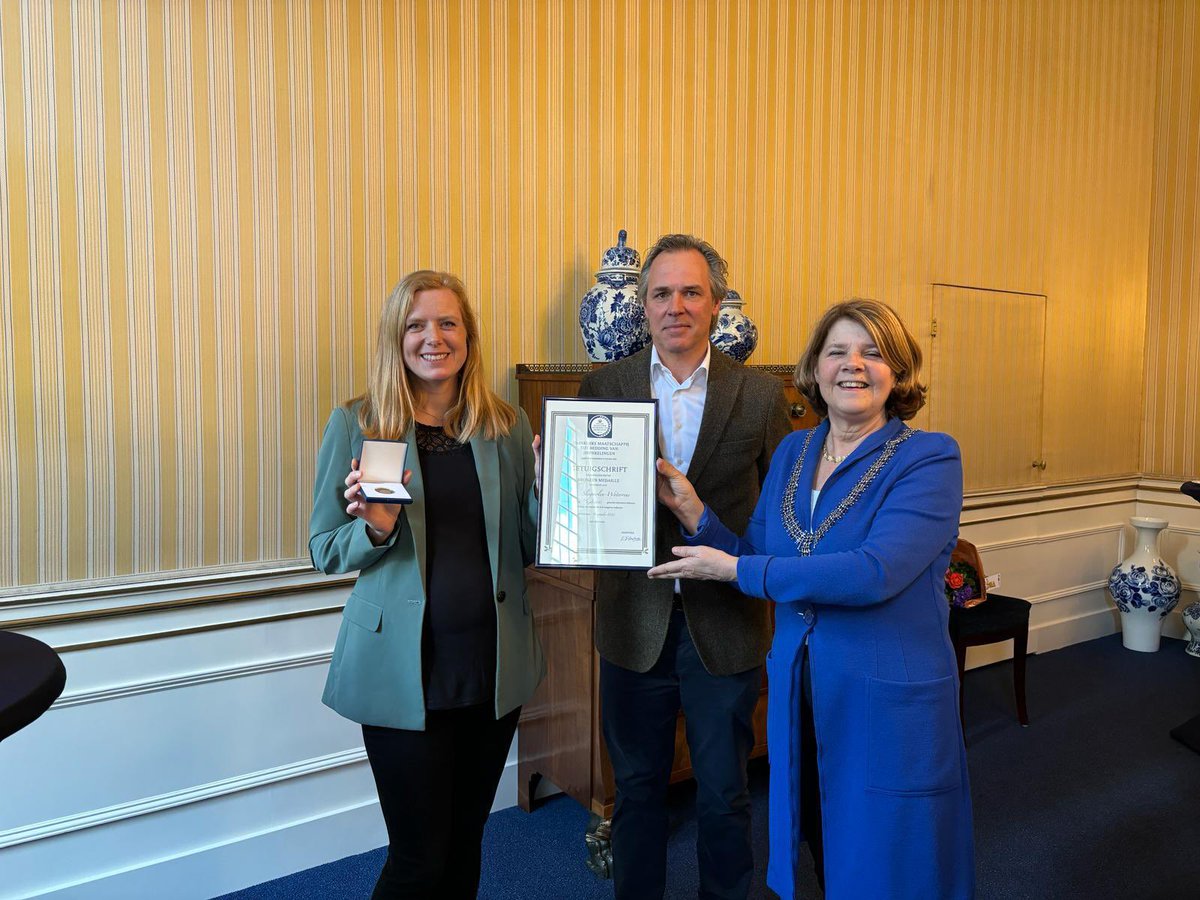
[599,426]
[383,490]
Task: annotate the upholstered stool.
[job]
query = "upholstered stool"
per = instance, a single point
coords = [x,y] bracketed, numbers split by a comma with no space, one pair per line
[31,678]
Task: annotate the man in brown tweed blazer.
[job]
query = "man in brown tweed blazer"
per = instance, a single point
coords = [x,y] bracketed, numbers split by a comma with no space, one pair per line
[695,645]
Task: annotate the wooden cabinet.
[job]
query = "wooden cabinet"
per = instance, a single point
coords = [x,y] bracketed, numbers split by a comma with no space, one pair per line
[560,737]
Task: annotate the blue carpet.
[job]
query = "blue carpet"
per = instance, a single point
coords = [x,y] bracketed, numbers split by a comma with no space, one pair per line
[1094,799]
[538,856]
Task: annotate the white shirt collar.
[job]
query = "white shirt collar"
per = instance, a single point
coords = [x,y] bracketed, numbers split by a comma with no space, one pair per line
[657,366]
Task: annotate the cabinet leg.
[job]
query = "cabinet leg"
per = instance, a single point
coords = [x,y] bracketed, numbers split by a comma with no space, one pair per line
[527,786]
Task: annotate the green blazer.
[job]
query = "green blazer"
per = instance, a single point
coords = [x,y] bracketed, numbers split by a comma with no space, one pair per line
[375,675]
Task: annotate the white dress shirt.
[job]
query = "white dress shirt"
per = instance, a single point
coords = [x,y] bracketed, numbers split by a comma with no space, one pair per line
[680,409]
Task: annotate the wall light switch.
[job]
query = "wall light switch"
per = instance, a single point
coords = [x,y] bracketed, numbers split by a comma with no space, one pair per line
[993,581]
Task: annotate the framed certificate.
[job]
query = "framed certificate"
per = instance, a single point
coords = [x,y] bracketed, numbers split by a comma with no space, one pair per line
[598,483]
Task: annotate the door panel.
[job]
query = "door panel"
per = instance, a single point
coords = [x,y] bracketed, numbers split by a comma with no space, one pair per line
[985,380]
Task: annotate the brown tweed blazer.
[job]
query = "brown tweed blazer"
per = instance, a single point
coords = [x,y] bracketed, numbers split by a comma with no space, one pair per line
[744,419]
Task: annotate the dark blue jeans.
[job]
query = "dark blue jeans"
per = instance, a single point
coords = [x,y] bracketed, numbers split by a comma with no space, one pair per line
[638,712]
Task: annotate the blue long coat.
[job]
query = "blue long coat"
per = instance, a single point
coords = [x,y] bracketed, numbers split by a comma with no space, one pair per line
[895,802]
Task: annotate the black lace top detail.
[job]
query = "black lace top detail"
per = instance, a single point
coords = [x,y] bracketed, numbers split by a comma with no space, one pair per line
[433,439]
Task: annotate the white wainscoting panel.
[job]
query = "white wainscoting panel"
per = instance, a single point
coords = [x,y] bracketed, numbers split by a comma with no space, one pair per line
[1180,543]
[1056,550]
[190,754]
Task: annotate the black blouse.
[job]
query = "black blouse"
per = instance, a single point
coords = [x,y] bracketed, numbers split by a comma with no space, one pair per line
[458,642]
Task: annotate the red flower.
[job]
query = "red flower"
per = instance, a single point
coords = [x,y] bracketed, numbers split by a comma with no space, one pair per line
[954,579]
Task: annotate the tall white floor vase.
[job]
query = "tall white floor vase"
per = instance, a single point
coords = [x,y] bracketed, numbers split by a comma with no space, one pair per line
[1144,587]
[1191,621]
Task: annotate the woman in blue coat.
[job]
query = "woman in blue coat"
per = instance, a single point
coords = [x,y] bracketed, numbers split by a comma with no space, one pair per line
[851,539]
[436,652]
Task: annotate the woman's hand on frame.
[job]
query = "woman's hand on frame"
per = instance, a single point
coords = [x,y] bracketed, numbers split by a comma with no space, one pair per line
[380,517]
[700,563]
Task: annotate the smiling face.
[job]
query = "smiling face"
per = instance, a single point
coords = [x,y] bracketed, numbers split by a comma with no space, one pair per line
[435,340]
[852,376]
[680,305]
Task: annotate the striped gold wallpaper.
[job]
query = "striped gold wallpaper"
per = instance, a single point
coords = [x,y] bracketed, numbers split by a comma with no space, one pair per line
[1171,440]
[202,205]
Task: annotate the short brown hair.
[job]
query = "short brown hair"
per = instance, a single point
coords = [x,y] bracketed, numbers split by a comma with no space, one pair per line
[895,342]
[718,269]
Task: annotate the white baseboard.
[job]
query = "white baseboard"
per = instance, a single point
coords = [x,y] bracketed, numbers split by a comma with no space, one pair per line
[237,863]
[1074,630]
[147,806]
[1071,629]
[506,791]
[208,764]
[1096,619]
[222,866]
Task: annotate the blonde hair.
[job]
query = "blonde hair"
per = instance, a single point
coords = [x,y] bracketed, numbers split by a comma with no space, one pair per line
[388,405]
[895,342]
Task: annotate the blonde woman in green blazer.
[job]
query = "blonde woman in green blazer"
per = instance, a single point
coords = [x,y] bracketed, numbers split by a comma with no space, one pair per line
[436,651]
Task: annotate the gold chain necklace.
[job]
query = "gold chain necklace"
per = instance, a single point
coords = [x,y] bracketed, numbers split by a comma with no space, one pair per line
[829,457]
[439,419]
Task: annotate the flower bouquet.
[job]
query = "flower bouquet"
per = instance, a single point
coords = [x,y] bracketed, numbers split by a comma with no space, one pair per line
[962,585]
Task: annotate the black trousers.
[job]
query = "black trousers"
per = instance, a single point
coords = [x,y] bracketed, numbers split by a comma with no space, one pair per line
[638,712]
[810,776]
[435,789]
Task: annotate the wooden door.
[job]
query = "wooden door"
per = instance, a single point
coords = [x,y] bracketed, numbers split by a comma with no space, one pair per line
[986,382]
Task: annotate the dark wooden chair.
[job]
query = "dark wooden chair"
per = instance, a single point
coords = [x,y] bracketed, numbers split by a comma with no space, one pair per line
[1000,618]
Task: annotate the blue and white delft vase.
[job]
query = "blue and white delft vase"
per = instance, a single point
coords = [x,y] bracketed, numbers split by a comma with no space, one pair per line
[1191,621]
[1144,587]
[611,318]
[734,333]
